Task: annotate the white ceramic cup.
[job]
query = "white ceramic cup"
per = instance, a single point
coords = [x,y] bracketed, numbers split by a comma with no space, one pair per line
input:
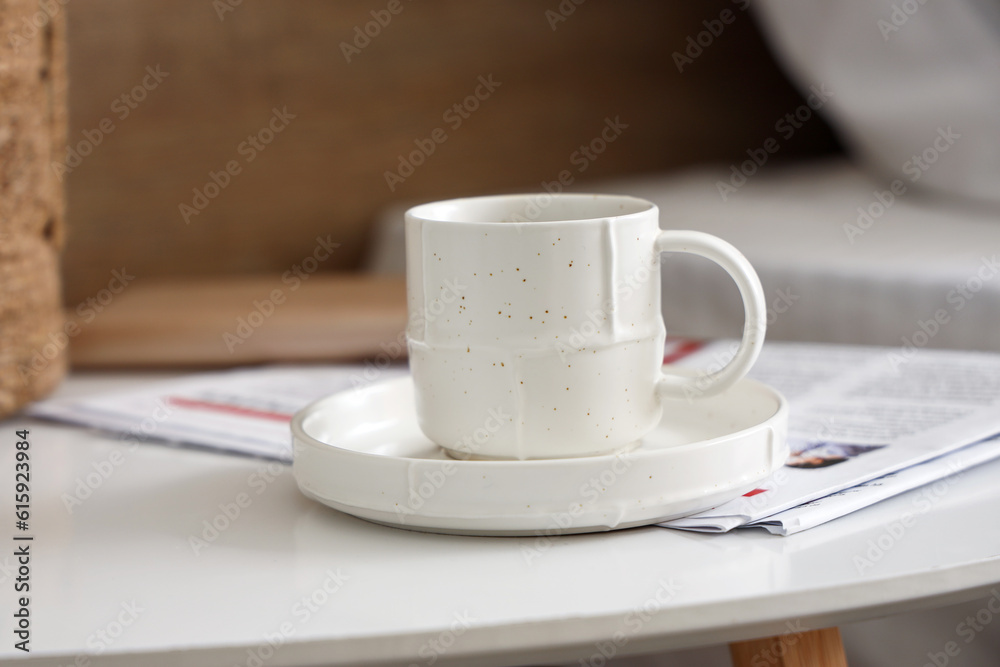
[535,328]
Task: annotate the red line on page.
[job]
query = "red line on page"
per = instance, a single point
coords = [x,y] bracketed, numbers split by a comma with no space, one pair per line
[683,350]
[209,406]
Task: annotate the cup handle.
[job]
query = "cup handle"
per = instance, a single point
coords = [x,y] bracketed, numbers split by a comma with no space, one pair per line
[755,323]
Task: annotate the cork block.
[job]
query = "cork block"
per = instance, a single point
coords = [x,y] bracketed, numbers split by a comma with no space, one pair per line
[32,137]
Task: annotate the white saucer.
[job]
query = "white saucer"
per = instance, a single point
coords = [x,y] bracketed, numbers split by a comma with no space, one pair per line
[361,452]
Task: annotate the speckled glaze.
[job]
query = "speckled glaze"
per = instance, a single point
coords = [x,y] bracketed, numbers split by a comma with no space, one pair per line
[535,327]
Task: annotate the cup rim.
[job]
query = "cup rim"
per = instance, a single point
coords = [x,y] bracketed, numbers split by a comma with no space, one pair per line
[426,212]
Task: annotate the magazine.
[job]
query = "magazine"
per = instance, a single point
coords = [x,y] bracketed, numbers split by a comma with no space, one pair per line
[865,423]
[245,411]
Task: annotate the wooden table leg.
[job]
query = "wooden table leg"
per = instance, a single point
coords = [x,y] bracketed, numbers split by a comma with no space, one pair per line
[811,648]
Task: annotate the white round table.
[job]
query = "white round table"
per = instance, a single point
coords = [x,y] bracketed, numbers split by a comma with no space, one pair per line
[137,573]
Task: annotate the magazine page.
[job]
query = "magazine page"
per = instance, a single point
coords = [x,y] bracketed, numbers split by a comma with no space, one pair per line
[244,411]
[937,474]
[857,414]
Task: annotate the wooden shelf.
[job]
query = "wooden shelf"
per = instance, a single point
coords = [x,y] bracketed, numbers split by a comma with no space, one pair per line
[241,320]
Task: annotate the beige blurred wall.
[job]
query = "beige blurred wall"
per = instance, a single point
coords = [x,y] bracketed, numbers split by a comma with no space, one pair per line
[214,78]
